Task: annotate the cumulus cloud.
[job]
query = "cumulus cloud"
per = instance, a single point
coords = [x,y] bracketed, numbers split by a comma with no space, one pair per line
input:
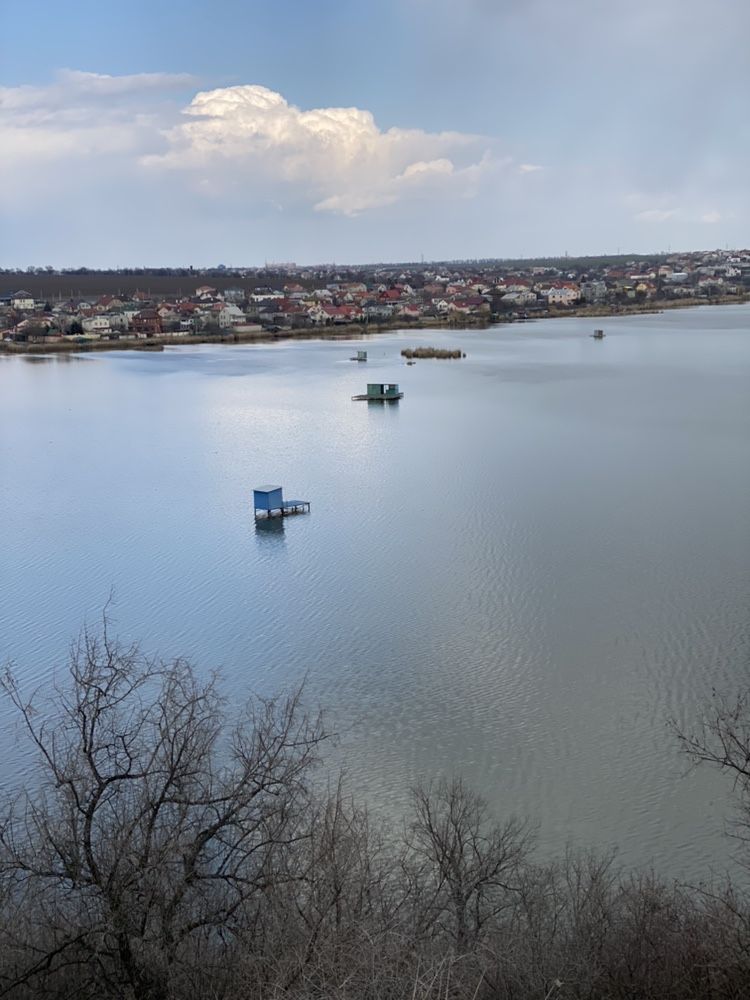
[337,159]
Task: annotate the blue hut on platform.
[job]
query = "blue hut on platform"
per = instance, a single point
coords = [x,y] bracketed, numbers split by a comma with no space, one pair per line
[269,501]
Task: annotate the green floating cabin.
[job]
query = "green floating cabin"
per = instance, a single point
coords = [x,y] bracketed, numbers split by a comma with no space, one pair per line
[381,392]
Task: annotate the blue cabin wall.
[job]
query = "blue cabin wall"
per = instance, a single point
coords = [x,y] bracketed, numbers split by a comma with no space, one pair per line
[268,500]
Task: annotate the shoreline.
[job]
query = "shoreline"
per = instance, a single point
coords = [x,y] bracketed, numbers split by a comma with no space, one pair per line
[346,331]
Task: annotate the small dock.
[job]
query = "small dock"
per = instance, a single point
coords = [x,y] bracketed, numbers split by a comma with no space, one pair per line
[381,392]
[269,501]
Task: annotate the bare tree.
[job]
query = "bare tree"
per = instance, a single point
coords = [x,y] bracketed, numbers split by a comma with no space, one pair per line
[465,868]
[335,929]
[722,739]
[156,828]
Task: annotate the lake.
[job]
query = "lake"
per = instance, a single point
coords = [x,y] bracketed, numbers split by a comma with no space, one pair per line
[517,573]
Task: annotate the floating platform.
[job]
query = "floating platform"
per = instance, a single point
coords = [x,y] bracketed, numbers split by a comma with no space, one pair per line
[360,356]
[288,508]
[379,399]
[381,392]
[598,334]
[268,502]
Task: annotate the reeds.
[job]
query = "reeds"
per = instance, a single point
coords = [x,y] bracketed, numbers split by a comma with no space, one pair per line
[431,352]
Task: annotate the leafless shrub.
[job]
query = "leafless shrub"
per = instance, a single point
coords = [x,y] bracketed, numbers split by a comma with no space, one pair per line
[148,840]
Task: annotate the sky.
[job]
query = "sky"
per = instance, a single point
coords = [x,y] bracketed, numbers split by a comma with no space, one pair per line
[236,132]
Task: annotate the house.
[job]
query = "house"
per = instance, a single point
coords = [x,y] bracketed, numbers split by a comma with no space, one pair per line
[342,314]
[107,302]
[168,315]
[564,294]
[35,331]
[117,320]
[594,291]
[526,298]
[230,315]
[378,310]
[22,301]
[97,325]
[146,323]
[470,305]
[410,310]
[513,284]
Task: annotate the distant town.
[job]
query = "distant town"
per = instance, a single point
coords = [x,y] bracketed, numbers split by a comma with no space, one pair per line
[77,307]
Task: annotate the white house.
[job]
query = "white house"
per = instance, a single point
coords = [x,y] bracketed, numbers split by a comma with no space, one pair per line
[563,295]
[525,298]
[23,301]
[230,316]
[96,324]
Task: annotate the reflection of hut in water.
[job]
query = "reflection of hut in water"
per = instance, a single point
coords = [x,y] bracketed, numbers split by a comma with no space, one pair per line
[269,527]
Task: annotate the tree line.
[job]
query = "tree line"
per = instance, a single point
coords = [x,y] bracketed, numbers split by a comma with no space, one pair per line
[167,848]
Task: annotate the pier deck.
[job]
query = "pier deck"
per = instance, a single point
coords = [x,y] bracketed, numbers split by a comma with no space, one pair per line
[288,508]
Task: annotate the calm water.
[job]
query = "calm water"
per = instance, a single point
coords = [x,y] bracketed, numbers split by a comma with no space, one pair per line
[516,573]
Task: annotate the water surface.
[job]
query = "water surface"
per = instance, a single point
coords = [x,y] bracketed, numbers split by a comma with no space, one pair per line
[517,573]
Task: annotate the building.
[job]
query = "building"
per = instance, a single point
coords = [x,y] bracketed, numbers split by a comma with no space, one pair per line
[22,301]
[146,323]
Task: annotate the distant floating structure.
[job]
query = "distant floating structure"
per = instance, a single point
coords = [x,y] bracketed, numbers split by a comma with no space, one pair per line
[381,392]
[598,334]
[269,501]
[359,356]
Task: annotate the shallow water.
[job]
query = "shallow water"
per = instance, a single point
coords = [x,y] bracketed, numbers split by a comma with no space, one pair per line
[518,572]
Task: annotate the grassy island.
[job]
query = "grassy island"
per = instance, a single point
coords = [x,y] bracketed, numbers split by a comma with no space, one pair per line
[431,352]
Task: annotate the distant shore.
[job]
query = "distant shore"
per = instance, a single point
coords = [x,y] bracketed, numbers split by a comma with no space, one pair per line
[349,330]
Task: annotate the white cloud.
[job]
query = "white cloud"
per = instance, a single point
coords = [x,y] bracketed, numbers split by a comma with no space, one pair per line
[336,159]
[80,116]
[529,168]
[655,215]
[420,168]
[74,90]
[711,217]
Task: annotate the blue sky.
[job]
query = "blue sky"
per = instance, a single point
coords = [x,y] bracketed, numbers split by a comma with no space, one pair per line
[313,130]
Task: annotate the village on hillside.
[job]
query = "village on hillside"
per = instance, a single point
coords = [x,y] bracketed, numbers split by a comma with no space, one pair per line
[248,302]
